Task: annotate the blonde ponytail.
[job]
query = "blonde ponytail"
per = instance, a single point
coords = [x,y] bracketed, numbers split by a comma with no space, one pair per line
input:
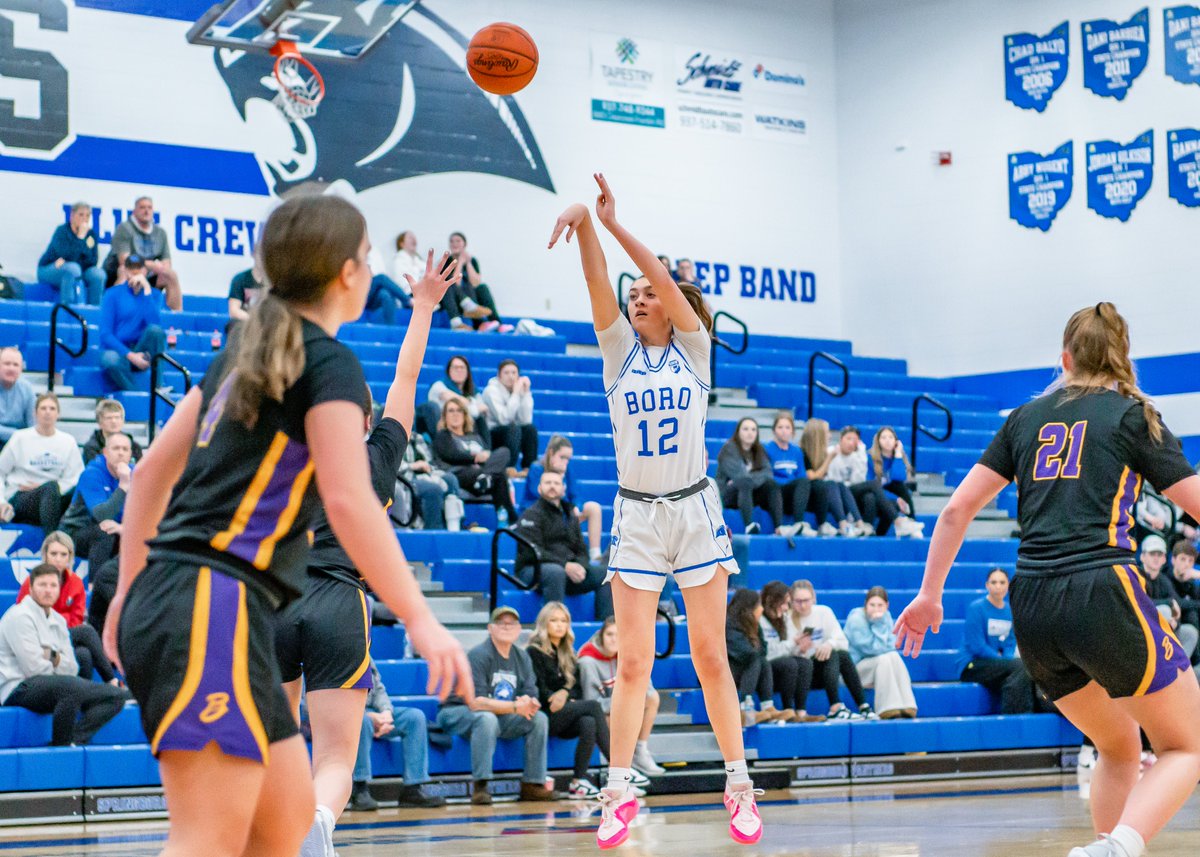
[270,358]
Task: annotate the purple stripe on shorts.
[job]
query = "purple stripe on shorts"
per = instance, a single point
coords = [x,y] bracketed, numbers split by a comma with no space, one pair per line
[265,517]
[1169,656]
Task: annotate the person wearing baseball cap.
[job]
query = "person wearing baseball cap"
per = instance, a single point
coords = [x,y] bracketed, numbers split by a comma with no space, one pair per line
[131,333]
[505,706]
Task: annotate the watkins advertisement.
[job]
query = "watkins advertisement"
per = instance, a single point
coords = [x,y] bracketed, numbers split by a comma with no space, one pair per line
[1115,53]
[1035,67]
[1118,176]
[1183,166]
[1039,185]
[1181,41]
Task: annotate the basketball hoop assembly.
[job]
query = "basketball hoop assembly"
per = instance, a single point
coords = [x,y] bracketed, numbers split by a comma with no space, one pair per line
[301,86]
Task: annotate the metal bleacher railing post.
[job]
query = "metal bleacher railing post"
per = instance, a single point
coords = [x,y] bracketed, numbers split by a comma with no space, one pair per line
[718,342]
[56,343]
[156,393]
[814,384]
[918,429]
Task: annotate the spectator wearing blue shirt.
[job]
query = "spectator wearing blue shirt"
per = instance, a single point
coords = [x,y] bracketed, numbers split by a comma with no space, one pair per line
[989,653]
[94,517]
[16,395]
[131,331]
[557,458]
[72,256]
[873,650]
[787,465]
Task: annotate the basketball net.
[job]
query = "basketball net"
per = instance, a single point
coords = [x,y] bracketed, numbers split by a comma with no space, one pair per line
[300,85]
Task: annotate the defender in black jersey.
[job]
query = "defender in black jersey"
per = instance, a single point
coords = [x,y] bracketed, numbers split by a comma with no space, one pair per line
[216,541]
[1085,627]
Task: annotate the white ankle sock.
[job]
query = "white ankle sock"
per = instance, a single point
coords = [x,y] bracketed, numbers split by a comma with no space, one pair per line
[1129,839]
[329,816]
[642,745]
[736,773]
[619,779]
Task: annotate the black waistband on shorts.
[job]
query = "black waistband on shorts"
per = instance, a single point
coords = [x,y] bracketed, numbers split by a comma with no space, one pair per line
[682,493]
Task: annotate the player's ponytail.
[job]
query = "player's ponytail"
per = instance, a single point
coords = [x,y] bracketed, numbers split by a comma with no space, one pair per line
[1097,338]
[696,298]
[305,244]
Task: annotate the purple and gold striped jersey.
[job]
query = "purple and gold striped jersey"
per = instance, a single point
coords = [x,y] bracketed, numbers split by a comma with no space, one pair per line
[1079,462]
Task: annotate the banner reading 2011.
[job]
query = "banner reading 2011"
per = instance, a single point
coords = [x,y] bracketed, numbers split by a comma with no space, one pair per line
[1115,53]
[1035,67]
[1118,176]
[1181,43]
[1039,185]
[1183,166]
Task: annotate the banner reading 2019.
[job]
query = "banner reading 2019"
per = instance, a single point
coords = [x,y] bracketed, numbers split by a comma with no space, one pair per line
[1181,43]
[1035,67]
[1115,53]
[1039,185]
[1118,176]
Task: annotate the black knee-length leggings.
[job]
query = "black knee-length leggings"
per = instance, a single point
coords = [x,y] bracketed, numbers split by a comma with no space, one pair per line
[827,672]
[793,679]
[585,720]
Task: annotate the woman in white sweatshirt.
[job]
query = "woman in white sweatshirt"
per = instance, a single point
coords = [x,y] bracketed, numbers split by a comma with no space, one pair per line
[819,636]
[39,467]
[510,414]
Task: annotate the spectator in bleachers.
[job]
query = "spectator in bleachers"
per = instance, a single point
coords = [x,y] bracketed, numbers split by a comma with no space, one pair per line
[407,260]
[139,235]
[510,416]
[16,394]
[1163,592]
[471,299]
[849,466]
[38,670]
[58,550]
[245,290]
[748,662]
[888,465]
[552,527]
[873,650]
[1187,581]
[94,517]
[557,458]
[666,263]
[989,653]
[385,293]
[819,636]
[131,333]
[842,510]
[800,494]
[791,672]
[71,256]
[552,650]
[40,467]
[110,420]
[598,677]
[745,478]
[1155,514]
[505,706]
[436,488]
[386,722]
[458,381]
[481,472]
[685,271]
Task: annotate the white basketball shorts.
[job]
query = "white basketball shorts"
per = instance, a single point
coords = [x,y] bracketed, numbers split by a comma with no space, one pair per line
[684,538]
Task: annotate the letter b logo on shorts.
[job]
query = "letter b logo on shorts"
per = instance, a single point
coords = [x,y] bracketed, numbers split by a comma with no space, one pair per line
[217,707]
[1168,649]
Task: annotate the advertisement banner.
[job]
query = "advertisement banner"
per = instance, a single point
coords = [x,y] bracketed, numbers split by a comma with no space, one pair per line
[1115,53]
[1035,67]
[1039,185]
[1118,176]
[1181,42]
[1183,166]
[628,84]
[710,74]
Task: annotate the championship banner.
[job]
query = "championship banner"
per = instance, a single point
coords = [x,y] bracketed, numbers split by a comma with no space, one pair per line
[1118,176]
[1115,53]
[1181,43]
[1183,166]
[1039,185]
[1035,67]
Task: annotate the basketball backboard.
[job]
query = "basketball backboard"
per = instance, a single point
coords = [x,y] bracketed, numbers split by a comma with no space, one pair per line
[328,29]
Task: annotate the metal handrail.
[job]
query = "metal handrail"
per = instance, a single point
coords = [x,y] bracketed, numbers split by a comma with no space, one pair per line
[814,384]
[918,429]
[670,650]
[1174,510]
[497,572]
[156,393]
[717,341]
[56,343]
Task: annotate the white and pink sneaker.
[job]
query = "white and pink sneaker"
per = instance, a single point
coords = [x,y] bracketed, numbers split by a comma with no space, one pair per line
[616,811]
[745,824]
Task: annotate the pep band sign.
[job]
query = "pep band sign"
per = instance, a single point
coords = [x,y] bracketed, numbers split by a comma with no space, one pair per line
[1119,176]
[1035,67]
[1183,166]
[1114,54]
[1181,43]
[1039,185]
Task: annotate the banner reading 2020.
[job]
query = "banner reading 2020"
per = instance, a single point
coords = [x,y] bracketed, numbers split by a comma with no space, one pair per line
[1118,176]
[1035,67]
[1115,53]
[1183,166]
[1181,43]
[1039,185]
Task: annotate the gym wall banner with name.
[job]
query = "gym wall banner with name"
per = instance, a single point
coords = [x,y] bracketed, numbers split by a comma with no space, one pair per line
[1183,166]
[1181,43]
[1040,185]
[1118,176]
[1035,66]
[1115,53]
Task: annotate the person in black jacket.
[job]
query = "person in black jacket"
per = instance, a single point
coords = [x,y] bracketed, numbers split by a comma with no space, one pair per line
[744,475]
[1163,592]
[110,419]
[480,470]
[551,525]
[748,656]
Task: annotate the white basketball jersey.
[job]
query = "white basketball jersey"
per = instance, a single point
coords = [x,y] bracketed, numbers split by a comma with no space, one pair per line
[658,404]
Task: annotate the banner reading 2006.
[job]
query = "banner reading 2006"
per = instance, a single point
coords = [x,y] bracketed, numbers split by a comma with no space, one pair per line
[1039,185]
[1115,53]
[1181,43]
[1183,166]
[1035,67]
[1118,176]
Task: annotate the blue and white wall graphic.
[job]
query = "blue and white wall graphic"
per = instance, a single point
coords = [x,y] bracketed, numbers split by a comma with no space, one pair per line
[1118,176]
[1115,53]
[1035,66]
[1040,185]
[1181,43]
[1183,166]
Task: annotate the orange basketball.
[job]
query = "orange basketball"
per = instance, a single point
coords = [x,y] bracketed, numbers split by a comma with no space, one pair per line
[502,59]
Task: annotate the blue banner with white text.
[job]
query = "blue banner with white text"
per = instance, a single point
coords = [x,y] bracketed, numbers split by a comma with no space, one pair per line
[1118,176]
[1039,185]
[1035,67]
[1181,43]
[1115,53]
[1183,166]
